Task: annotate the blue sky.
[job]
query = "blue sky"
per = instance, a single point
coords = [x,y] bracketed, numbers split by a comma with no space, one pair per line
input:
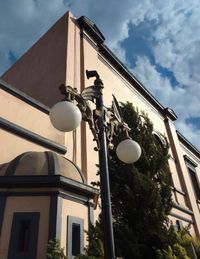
[159,41]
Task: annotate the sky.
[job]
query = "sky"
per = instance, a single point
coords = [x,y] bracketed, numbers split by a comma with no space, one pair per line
[159,42]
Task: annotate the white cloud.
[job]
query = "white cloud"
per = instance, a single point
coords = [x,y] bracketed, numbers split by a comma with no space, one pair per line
[176,48]
[185,105]
[175,42]
[147,73]
[189,131]
[113,17]
[23,22]
[178,42]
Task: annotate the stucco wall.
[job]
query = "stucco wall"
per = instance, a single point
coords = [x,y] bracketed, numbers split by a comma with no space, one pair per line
[43,68]
[70,208]
[40,71]
[26,204]
[24,115]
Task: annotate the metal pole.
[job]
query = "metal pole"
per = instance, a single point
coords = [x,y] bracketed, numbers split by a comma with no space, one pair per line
[109,248]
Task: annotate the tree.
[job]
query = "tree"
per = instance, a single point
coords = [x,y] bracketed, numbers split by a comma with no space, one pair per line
[94,249]
[141,196]
[54,251]
[140,193]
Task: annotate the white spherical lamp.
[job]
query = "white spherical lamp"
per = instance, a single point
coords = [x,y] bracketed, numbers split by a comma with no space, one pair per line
[128,151]
[65,116]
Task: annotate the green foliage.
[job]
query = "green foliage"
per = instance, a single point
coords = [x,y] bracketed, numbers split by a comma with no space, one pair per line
[166,254]
[196,244]
[140,193]
[175,252]
[180,251]
[54,251]
[94,250]
[141,200]
[183,237]
[186,240]
[178,243]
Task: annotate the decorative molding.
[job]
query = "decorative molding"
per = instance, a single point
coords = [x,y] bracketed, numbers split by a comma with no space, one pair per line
[72,197]
[183,209]
[91,28]
[31,136]
[190,162]
[37,181]
[181,217]
[187,144]
[63,194]
[28,193]
[24,97]
[189,153]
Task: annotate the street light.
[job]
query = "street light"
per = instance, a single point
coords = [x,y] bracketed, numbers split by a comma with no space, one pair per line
[104,124]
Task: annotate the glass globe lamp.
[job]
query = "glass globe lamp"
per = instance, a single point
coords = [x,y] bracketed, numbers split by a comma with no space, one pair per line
[65,116]
[128,151]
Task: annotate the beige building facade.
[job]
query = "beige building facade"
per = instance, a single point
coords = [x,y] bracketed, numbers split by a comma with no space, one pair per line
[45,174]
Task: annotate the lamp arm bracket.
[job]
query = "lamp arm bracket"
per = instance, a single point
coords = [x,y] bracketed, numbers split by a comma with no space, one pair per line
[112,118]
[115,126]
[91,93]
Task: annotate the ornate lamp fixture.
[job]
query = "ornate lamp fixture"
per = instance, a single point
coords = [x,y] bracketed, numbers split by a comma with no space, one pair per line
[104,124]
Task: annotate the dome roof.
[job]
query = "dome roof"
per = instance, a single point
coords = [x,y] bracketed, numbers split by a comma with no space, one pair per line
[42,163]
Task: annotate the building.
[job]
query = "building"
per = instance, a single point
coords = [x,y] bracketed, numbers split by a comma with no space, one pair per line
[49,195]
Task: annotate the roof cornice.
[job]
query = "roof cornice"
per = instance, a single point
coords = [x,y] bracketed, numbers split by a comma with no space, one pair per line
[106,52]
[39,181]
[187,144]
[91,28]
[93,31]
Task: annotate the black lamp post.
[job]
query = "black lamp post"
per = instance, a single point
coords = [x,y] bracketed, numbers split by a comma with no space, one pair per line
[104,124]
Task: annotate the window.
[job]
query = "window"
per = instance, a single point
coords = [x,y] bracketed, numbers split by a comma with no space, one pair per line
[161,142]
[76,239]
[75,233]
[193,176]
[195,183]
[24,235]
[178,226]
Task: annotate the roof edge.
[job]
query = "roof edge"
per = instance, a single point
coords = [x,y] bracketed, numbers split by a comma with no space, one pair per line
[105,51]
[91,28]
[93,31]
[189,145]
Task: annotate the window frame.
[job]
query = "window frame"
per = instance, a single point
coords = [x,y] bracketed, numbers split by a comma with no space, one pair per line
[78,222]
[18,219]
[191,167]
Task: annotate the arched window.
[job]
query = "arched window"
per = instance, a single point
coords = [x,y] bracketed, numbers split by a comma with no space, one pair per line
[161,141]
